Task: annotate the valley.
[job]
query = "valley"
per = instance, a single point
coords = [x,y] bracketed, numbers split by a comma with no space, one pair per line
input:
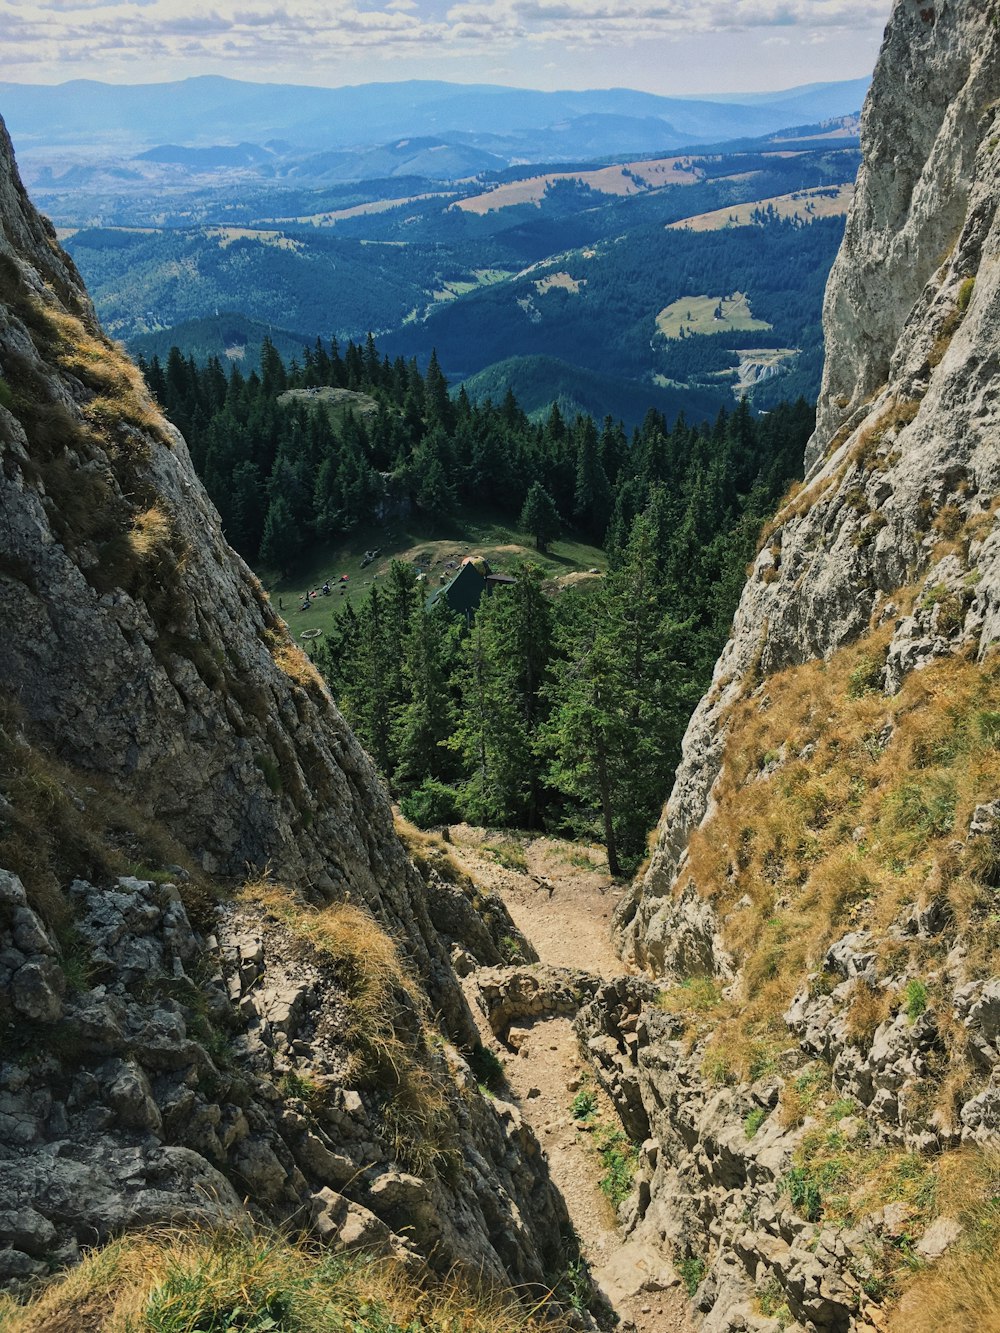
[546,282]
[473,860]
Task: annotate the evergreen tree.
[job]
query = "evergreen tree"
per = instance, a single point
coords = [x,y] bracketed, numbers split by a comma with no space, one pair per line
[492,734]
[539,517]
[426,721]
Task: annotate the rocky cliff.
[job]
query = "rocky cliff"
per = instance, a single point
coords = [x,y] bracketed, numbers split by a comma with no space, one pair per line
[175,1042]
[822,889]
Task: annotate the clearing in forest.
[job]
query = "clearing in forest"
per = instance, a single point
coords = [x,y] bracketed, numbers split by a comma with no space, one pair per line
[823,201]
[708,314]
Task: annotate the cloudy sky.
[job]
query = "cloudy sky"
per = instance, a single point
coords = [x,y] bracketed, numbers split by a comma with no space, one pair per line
[662,46]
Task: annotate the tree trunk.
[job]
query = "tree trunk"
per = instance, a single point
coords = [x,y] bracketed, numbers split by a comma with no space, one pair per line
[604,787]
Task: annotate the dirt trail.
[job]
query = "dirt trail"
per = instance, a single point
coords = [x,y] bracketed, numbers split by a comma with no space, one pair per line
[570,927]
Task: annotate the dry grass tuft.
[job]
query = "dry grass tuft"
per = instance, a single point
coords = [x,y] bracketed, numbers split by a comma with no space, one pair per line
[387,1024]
[178,1282]
[837,808]
[869,1008]
[962,1289]
[120,392]
[293,663]
[429,852]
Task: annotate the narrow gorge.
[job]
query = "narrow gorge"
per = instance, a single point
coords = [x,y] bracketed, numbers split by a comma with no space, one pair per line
[240,998]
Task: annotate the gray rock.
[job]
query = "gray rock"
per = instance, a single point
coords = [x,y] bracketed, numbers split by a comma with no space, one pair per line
[939,1237]
[27,1230]
[128,1093]
[36,990]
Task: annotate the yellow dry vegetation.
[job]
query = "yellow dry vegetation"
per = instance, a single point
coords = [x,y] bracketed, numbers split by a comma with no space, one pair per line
[804,205]
[563,281]
[120,392]
[962,1289]
[293,662]
[429,851]
[227,235]
[151,532]
[178,1281]
[335,215]
[708,315]
[836,808]
[628,178]
[382,1000]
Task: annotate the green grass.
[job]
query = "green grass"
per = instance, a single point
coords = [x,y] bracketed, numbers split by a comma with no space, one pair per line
[916,999]
[754,1121]
[260,1282]
[473,532]
[508,854]
[697,315]
[583,1105]
[619,1156]
[692,1271]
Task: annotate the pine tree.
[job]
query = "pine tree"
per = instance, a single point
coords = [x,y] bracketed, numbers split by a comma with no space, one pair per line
[592,498]
[425,723]
[539,517]
[492,734]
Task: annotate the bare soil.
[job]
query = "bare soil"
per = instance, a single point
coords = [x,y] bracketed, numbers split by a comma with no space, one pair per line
[570,927]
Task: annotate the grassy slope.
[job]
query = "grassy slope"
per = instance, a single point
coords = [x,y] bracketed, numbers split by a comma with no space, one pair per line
[697,315]
[175,1283]
[473,532]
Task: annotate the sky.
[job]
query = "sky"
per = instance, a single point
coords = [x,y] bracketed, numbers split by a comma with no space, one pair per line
[673,47]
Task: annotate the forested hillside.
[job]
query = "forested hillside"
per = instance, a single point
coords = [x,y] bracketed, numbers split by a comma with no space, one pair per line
[575,265]
[557,709]
[597,306]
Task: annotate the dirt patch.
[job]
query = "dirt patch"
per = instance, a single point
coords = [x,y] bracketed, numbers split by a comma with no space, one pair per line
[559,893]
[561,897]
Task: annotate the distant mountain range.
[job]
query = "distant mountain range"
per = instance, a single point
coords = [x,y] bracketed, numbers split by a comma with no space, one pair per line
[273,129]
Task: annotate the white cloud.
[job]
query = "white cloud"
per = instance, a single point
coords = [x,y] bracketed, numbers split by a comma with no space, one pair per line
[126,38]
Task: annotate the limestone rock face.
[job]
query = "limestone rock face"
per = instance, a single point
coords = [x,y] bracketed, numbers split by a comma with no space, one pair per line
[146,1063]
[138,645]
[907,447]
[920,136]
[889,551]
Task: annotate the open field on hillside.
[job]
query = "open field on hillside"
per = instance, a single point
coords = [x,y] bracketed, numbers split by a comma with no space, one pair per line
[336,402]
[435,549]
[480,277]
[708,314]
[561,280]
[333,216]
[806,205]
[227,235]
[629,178]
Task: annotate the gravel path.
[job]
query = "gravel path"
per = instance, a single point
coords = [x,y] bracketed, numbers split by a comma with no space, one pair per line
[570,928]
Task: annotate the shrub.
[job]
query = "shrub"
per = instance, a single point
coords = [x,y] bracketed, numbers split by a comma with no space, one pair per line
[804,1191]
[431,804]
[619,1157]
[754,1121]
[583,1105]
[692,1271]
[486,1067]
[866,677]
[965,294]
[915,999]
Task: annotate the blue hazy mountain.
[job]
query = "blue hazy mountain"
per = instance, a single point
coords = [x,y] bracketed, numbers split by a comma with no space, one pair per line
[212,112]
